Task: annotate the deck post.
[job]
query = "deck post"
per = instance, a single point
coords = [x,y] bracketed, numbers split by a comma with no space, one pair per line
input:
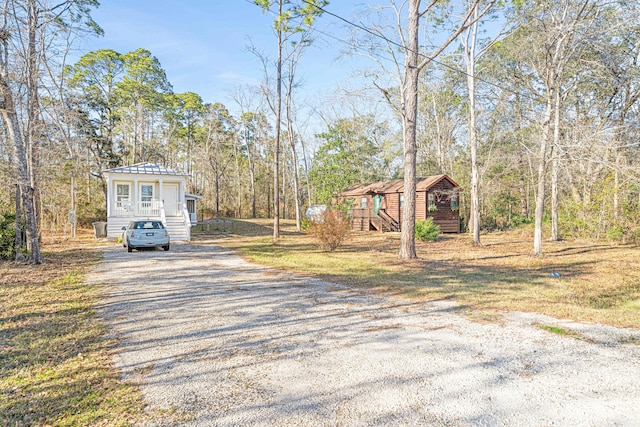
[134,197]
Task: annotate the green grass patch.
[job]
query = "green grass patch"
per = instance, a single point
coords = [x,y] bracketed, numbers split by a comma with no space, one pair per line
[55,364]
[559,331]
[631,339]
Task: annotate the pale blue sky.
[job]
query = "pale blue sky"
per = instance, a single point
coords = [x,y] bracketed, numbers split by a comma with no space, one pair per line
[201,44]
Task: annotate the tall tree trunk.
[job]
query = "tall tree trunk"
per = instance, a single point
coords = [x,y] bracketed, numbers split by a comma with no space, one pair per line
[555,235]
[542,167]
[410,98]
[252,175]
[32,132]
[217,188]
[18,241]
[524,207]
[470,58]
[306,172]
[616,187]
[296,184]
[554,197]
[439,138]
[72,214]
[276,150]
[238,179]
[283,183]
[292,143]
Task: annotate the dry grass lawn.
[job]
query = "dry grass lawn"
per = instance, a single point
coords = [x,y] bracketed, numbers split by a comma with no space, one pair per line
[598,282]
[55,364]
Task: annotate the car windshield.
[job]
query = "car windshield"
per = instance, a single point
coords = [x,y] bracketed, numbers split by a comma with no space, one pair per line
[147,225]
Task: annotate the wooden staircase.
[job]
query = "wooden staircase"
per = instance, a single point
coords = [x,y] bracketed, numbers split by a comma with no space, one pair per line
[388,223]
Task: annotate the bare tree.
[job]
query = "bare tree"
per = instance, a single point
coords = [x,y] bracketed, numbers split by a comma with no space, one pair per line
[285,27]
[471,57]
[20,73]
[561,22]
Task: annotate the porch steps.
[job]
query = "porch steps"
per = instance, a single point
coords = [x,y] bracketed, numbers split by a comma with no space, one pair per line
[388,223]
[177,229]
[175,226]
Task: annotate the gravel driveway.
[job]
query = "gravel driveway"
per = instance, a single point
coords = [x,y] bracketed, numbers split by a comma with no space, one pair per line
[215,341]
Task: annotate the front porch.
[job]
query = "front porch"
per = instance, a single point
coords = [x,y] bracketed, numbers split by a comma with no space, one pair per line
[150,208]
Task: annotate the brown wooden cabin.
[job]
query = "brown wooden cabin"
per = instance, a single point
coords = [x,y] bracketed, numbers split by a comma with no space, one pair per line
[378,206]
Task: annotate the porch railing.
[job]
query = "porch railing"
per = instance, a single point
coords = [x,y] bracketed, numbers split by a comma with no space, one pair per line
[123,208]
[149,208]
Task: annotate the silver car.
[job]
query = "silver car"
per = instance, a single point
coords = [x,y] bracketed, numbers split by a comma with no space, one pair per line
[145,234]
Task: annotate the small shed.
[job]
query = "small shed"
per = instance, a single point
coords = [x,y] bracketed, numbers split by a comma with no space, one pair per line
[378,205]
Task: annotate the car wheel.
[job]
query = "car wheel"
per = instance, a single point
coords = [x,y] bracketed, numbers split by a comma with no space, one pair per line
[166,248]
[129,248]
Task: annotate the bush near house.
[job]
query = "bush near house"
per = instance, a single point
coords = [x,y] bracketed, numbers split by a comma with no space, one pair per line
[426,230]
[333,231]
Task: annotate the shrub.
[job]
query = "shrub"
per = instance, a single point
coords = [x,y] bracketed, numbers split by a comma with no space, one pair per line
[333,231]
[7,236]
[634,236]
[427,230]
[616,233]
[305,224]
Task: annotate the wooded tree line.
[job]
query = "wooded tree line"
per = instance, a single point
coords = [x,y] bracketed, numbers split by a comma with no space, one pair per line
[532,107]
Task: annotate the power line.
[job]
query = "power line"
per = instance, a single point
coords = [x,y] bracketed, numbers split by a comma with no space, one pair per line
[392,42]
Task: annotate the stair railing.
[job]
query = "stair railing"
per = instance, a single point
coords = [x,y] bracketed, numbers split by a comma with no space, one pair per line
[163,215]
[187,221]
[390,222]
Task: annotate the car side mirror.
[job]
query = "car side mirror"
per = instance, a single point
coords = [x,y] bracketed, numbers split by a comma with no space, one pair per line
[123,228]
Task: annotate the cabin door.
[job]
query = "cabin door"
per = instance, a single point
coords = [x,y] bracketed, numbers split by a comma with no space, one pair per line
[377,202]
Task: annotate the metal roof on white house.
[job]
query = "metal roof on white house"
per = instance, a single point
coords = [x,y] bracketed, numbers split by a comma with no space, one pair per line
[145,169]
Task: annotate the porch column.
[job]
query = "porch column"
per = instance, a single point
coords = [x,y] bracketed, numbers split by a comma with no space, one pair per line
[135,196]
[109,196]
[160,196]
[182,195]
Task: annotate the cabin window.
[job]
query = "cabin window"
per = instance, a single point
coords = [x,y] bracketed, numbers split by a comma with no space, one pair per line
[454,202]
[146,192]
[401,201]
[363,203]
[431,199]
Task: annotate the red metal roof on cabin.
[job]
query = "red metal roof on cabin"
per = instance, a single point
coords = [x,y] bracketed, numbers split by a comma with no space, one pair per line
[394,186]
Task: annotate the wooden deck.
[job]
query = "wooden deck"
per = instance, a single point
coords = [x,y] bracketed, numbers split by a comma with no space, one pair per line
[366,220]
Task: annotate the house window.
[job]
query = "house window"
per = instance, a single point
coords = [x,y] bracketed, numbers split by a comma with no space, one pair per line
[363,203]
[146,193]
[122,192]
[123,199]
[431,200]
[454,202]
[401,201]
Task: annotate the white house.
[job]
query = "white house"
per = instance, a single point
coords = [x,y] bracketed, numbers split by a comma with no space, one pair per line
[149,191]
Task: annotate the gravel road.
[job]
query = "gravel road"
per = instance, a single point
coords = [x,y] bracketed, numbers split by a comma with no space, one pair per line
[215,341]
